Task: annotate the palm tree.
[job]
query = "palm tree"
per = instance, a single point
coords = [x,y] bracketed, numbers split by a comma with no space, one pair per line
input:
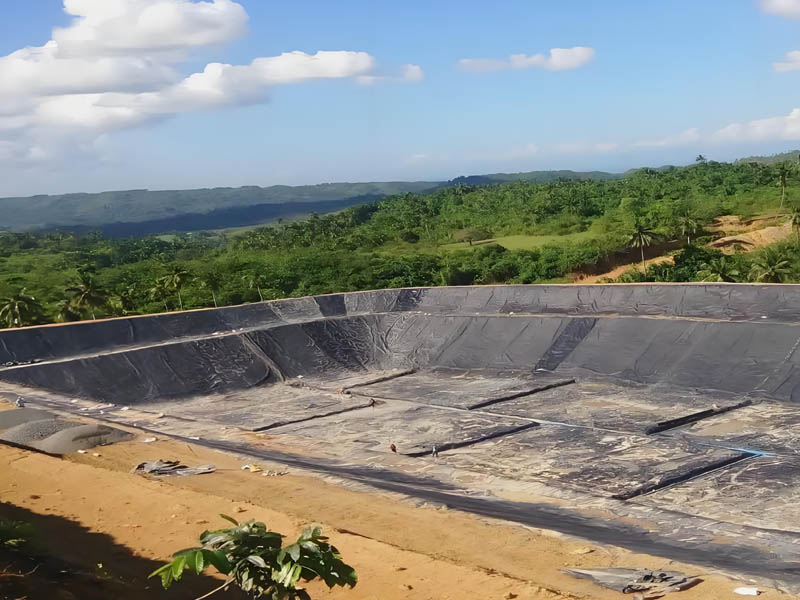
[67,312]
[175,279]
[771,266]
[256,281]
[212,281]
[19,309]
[784,170]
[795,221]
[159,292]
[641,237]
[688,226]
[126,298]
[87,295]
[719,269]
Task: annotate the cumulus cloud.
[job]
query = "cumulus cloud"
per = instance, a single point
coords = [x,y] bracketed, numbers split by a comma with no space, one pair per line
[771,129]
[118,65]
[790,62]
[151,26]
[784,8]
[558,59]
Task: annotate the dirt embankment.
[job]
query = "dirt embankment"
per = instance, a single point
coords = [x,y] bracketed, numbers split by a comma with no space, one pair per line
[739,236]
[91,510]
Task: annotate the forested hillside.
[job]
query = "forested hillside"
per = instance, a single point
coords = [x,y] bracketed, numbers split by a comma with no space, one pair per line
[145,212]
[518,232]
[139,212]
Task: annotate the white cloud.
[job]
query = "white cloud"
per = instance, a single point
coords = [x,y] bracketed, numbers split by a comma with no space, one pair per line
[136,26]
[771,129]
[686,137]
[43,71]
[118,65]
[784,8]
[791,62]
[558,59]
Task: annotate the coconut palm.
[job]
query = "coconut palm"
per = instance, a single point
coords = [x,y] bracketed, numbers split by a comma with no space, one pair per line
[688,226]
[771,266]
[783,172]
[720,269]
[794,219]
[256,281]
[19,309]
[212,281]
[175,279]
[66,311]
[87,295]
[126,298]
[641,237]
[159,292]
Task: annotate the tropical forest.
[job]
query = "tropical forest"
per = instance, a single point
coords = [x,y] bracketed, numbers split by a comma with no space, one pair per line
[709,221]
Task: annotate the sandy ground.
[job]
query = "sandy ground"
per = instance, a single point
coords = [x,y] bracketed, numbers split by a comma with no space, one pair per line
[754,239]
[622,269]
[91,509]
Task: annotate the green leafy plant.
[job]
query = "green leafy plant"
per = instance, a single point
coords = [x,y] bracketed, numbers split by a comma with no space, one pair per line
[15,535]
[254,559]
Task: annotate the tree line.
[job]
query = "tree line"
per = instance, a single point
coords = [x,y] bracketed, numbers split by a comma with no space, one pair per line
[406,240]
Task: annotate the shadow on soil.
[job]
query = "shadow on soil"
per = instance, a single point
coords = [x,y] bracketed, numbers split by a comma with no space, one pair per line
[67,561]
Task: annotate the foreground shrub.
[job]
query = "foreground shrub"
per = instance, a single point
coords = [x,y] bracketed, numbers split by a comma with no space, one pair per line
[254,559]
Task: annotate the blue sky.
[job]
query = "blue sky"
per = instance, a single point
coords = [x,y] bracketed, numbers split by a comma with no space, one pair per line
[663,82]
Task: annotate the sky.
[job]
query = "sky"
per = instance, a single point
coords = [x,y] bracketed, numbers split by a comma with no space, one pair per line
[172,94]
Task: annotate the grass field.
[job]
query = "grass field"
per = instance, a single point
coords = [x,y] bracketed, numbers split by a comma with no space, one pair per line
[523,242]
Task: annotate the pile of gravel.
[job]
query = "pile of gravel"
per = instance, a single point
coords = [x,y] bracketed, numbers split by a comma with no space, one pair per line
[42,430]
[34,431]
[17,416]
[82,437]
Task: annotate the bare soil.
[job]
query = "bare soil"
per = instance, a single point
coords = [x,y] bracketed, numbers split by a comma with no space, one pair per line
[114,527]
[745,236]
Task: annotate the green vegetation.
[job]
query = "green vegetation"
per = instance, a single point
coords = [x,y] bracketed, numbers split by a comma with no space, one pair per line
[15,535]
[518,232]
[254,559]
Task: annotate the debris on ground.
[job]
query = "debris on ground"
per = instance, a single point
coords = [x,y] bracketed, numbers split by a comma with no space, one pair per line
[747,591]
[252,468]
[275,473]
[643,583]
[149,440]
[164,468]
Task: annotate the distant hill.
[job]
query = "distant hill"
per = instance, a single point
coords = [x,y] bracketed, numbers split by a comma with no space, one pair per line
[144,212]
[792,156]
[535,177]
[141,212]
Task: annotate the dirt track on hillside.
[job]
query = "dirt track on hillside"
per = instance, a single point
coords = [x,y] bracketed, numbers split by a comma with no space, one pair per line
[746,236]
